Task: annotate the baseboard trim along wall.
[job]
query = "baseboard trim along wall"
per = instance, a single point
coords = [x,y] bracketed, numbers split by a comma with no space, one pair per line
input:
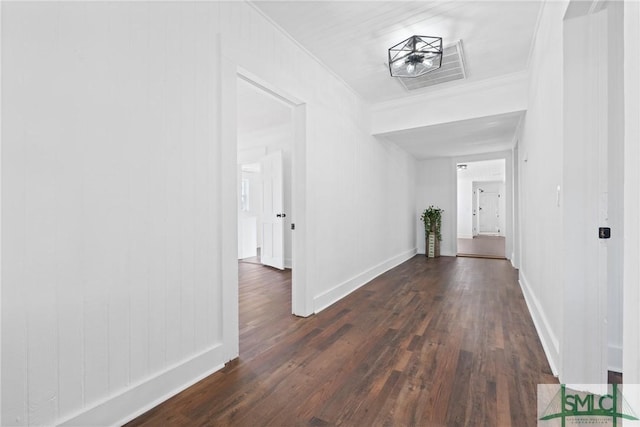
[335,294]
[549,341]
[139,398]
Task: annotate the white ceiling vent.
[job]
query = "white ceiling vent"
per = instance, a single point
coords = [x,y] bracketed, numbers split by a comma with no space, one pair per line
[452,69]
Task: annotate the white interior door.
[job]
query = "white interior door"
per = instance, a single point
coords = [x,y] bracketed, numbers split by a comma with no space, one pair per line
[488,212]
[272,253]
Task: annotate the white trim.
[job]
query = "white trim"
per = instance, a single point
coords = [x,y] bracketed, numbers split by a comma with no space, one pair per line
[301,292]
[614,358]
[335,294]
[549,341]
[137,399]
[278,94]
[227,152]
[631,293]
[1,244]
[518,132]
[465,236]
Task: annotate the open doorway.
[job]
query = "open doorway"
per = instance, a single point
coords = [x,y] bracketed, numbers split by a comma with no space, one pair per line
[265,145]
[481,209]
[265,141]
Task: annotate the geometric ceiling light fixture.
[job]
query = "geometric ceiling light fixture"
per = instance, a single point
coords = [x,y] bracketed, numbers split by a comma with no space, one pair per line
[415,56]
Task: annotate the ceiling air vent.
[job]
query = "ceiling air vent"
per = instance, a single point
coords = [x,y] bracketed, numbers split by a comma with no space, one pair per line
[452,69]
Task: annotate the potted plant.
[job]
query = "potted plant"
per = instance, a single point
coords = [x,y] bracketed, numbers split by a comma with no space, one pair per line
[432,219]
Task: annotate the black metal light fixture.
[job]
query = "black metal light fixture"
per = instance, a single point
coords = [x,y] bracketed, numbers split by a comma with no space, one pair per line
[415,56]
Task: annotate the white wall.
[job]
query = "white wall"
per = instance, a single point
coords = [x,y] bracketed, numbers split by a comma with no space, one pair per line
[359,189]
[571,141]
[503,94]
[436,183]
[465,208]
[115,198]
[631,351]
[110,197]
[249,225]
[615,177]
[540,174]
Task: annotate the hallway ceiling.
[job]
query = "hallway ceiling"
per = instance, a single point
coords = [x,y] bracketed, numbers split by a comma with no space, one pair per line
[461,138]
[352,37]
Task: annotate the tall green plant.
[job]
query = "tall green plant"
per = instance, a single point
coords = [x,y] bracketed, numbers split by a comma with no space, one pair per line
[432,219]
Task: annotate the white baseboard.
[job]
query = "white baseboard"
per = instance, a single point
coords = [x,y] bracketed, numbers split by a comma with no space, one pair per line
[288,263]
[614,359]
[465,236]
[550,342]
[137,399]
[512,259]
[335,294]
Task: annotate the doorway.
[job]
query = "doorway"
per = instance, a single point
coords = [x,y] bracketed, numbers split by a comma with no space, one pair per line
[265,136]
[481,209]
[264,155]
[488,209]
[281,131]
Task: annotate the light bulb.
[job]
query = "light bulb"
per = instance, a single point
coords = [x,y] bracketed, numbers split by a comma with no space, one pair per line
[427,62]
[410,68]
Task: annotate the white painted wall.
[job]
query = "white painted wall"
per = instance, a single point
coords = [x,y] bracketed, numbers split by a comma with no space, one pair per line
[436,184]
[571,140]
[116,254]
[112,280]
[504,94]
[465,208]
[540,173]
[584,181]
[358,188]
[249,225]
[615,260]
[631,351]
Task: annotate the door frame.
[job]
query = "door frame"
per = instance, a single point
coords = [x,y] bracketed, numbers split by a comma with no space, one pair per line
[301,296]
[583,345]
[511,251]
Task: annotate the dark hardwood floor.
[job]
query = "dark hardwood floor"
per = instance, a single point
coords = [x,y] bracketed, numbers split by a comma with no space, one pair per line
[433,342]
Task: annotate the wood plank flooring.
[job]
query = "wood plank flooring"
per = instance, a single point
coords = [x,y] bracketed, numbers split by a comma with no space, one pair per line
[433,342]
